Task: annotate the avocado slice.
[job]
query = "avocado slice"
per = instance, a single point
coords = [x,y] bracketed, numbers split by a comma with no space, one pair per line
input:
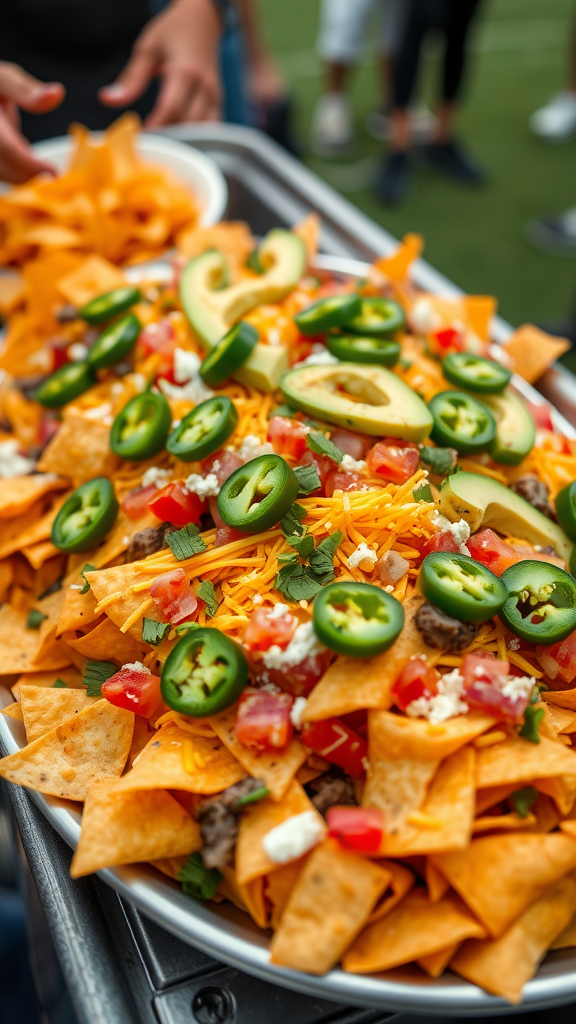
[485,502]
[212,304]
[515,428]
[366,398]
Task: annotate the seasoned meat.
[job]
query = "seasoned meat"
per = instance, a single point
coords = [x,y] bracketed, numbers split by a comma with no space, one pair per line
[219,822]
[549,550]
[332,791]
[147,542]
[230,797]
[535,493]
[67,314]
[441,630]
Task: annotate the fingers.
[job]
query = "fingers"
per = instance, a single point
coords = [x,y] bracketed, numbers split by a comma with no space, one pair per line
[132,81]
[26,91]
[187,94]
[18,162]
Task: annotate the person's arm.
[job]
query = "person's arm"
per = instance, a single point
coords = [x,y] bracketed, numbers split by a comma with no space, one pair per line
[265,82]
[18,89]
[181,47]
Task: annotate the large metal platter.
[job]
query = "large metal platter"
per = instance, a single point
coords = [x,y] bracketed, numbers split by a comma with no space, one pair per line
[229,935]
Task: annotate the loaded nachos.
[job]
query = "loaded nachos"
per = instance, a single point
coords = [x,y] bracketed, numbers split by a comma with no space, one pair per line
[286,565]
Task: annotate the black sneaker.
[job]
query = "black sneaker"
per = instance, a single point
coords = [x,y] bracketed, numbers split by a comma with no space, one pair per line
[450,159]
[394,179]
[554,235]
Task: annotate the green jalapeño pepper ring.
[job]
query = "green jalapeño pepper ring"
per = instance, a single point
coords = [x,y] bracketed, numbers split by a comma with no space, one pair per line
[115,342]
[141,428]
[203,430]
[475,373]
[461,587]
[229,354]
[104,307]
[461,422]
[70,381]
[378,318]
[566,509]
[541,603]
[357,619]
[352,348]
[258,495]
[333,311]
[86,517]
[204,673]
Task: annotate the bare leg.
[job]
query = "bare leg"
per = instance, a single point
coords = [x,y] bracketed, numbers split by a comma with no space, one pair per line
[336,77]
[400,137]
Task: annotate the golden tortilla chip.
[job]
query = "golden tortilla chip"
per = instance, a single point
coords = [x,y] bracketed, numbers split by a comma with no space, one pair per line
[40,553]
[174,759]
[415,928]
[480,309]
[256,821]
[14,711]
[233,238]
[20,492]
[126,828]
[95,276]
[505,965]
[511,822]
[532,351]
[13,292]
[90,747]
[562,790]
[170,866]
[279,886]
[44,708]
[563,720]
[275,769]
[250,898]
[69,675]
[567,938]
[397,787]
[13,530]
[309,231]
[492,795]
[499,876]
[77,611]
[106,643]
[330,902]
[436,963]
[80,450]
[517,760]
[397,266]
[401,882]
[561,698]
[19,645]
[436,884]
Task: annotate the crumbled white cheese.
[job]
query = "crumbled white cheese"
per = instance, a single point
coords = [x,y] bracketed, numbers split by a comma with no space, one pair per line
[278,611]
[204,486]
[327,527]
[517,687]
[77,351]
[186,365]
[139,381]
[513,644]
[320,356]
[304,644]
[117,388]
[137,666]
[274,337]
[41,359]
[100,413]
[297,710]
[447,703]
[157,476]
[389,588]
[252,447]
[294,837]
[424,318]
[257,599]
[352,465]
[461,533]
[194,390]
[11,462]
[76,586]
[362,555]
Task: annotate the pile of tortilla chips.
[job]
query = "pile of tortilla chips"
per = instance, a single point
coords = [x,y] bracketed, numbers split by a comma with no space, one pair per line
[466,878]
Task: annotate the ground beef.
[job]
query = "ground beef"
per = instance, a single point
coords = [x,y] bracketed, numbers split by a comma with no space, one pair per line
[331,791]
[147,542]
[535,493]
[441,630]
[67,314]
[219,822]
[230,797]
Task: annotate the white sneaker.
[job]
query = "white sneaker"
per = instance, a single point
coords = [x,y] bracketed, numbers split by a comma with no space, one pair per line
[332,128]
[556,122]
[422,124]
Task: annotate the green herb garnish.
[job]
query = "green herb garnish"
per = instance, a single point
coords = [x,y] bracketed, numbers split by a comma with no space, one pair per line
[185,542]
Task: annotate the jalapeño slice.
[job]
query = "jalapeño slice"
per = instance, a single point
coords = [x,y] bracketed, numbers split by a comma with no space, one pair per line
[141,428]
[333,311]
[461,587]
[258,495]
[475,373]
[352,348]
[204,673]
[566,509]
[86,517]
[104,307]
[203,430]
[541,603]
[461,422]
[115,342]
[70,381]
[357,619]
[378,318]
[229,354]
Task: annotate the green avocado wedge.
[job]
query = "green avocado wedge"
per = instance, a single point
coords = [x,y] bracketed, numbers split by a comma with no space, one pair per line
[366,398]
[515,428]
[484,502]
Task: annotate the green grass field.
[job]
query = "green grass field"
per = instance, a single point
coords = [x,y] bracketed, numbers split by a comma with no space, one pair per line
[474,236]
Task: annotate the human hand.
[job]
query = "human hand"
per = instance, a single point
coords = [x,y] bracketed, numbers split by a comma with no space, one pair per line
[18,162]
[181,47]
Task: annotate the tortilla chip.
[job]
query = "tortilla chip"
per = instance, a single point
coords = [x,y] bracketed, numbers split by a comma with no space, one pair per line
[80,450]
[401,882]
[480,309]
[44,708]
[510,822]
[563,720]
[13,292]
[397,787]
[90,747]
[309,231]
[278,888]
[401,737]
[106,643]
[505,965]
[532,351]
[330,902]
[561,698]
[77,611]
[499,876]
[249,898]
[397,266]
[517,760]
[95,276]
[13,530]
[126,828]
[14,711]
[415,928]
[118,580]
[20,492]
[562,790]
[233,238]
[256,821]
[567,938]
[40,553]
[436,963]
[492,795]
[161,764]
[170,866]
[19,645]
[275,769]
[69,675]
[436,884]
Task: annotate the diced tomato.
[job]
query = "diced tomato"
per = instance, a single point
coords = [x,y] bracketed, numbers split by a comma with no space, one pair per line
[338,481]
[59,358]
[222,464]
[174,504]
[300,679]
[351,443]
[173,596]
[541,414]
[356,720]
[135,503]
[263,719]
[287,437]
[337,743]
[526,551]
[324,465]
[484,678]
[450,338]
[356,828]
[49,427]
[559,660]
[224,534]
[493,552]
[417,679]
[133,690]
[395,461]
[441,541]
[159,337]
[266,630]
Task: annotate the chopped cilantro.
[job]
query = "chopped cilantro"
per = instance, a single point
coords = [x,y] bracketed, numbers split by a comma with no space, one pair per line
[198,880]
[283,410]
[441,460]
[96,673]
[59,684]
[522,800]
[35,619]
[532,718]
[185,542]
[423,493]
[87,568]
[251,798]
[308,479]
[186,627]
[153,632]
[292,522]
[207,594]
[300,582]
[322,445]
[253,262]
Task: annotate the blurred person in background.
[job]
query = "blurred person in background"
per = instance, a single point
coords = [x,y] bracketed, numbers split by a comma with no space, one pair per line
[453,18]
[556,122]
[267,92]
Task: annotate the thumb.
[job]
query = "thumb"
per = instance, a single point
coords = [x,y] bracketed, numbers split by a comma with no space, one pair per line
[132,81]
[28,92]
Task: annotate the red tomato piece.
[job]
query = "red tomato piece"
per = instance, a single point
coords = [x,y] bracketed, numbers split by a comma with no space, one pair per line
[356,828]
[159,337]
[266,630]
[393,460]
[287,437]
[484,677]
[336,742]
[222,464]
[300,679]
[174,504]
[59,358]
[416,680]
[224,534]
[450,338]
[338,481]
[541,414]
[133,690]
[440,542]
[559,660]
[135,503]
[351,443]
[173,596]
[49,427]
[263,719]
[324,465]
[493,552]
